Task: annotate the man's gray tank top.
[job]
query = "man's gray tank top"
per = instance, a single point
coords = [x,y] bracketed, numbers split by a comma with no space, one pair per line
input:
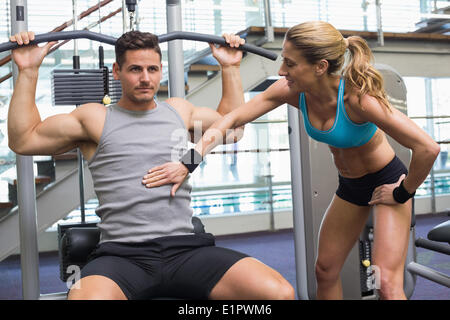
[131,143]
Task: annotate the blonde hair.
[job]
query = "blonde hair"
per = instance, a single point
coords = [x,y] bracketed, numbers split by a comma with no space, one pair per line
[319,40]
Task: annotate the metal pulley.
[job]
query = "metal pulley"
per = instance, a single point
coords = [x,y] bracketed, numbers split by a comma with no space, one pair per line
[131,6]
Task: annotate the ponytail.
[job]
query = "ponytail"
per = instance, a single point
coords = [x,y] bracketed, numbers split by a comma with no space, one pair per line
[361,74]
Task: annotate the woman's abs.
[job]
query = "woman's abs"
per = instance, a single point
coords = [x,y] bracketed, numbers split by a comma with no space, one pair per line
[368,158]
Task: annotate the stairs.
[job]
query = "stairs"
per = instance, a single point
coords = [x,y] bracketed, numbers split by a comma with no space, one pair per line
[435,25]
[9,182]
[55,197]
[198,73]
[5,204]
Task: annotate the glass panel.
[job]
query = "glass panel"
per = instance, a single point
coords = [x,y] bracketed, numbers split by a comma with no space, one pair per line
[428,101]
[237,181]
[397,15]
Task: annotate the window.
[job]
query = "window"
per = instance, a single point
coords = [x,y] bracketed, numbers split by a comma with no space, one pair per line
[428,101]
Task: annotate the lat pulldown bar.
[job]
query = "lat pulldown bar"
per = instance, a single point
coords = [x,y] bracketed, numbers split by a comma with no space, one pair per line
[177,35]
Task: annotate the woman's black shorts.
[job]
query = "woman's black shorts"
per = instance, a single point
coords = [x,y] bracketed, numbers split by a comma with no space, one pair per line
[186,266]
[359,190]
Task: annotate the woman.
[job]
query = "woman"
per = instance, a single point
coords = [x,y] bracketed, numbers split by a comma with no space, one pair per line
[347,108]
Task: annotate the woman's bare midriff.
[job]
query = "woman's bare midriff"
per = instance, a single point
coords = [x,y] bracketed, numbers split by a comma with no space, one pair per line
[368,158]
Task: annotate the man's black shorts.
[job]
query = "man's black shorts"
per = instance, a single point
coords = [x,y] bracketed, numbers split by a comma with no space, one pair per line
[187,266]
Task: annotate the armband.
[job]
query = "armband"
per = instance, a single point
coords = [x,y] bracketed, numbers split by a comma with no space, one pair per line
[401,195]
[191,159]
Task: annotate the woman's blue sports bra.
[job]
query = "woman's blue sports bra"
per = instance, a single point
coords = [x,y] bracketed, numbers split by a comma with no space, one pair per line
[344,133]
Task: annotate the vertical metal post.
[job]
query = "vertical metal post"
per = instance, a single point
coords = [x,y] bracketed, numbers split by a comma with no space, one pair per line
[124,17]
[81,184]
[76,65]
[433,190]
[379,24]
[99,18]
[26,192]
[430,128]
[268,19]
[269,180]
[137,18]
[75,26]
[364,6]
[298,203]
[424,6]
[218,18]
[175,50]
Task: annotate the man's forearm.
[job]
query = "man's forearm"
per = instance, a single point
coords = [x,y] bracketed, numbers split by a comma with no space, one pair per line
[232,91]
[23,115]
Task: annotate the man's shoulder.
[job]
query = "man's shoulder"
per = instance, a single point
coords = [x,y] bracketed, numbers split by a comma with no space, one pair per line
[92,107]
[90,110]
[182,106]
[177,102]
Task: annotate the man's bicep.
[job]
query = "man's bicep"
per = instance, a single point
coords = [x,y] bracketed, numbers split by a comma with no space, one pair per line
[54,135]
[202,118]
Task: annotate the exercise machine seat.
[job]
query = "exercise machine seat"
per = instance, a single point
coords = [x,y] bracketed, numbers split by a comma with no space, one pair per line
[440,233]
[77,243]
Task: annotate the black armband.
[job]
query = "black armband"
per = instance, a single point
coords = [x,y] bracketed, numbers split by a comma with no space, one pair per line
[401,195]
[191,159]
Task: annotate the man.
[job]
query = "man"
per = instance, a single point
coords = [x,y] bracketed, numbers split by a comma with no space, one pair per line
[147,245]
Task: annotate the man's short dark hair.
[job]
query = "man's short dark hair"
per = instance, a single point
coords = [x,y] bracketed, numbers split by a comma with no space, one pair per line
[135,40]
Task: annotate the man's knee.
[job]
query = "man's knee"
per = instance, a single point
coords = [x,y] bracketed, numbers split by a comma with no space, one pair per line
[96,288]
[251,279]
[280,289]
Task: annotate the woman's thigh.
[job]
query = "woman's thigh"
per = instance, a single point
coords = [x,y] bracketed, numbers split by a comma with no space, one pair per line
[391,236]
[341,226]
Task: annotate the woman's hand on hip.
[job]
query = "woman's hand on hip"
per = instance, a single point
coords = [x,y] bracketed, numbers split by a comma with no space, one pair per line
[384,194]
